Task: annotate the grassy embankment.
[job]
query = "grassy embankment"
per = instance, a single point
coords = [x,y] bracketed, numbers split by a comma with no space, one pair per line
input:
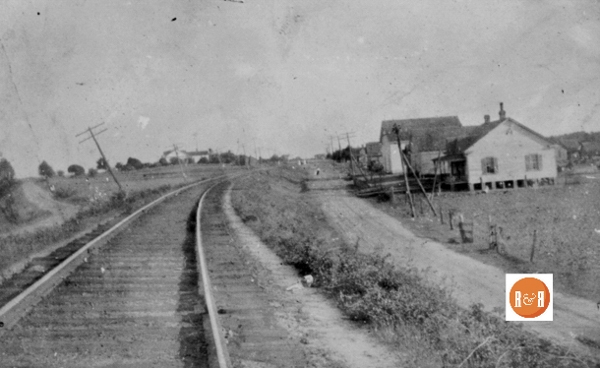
[404,310]
[98,198]
[566,220]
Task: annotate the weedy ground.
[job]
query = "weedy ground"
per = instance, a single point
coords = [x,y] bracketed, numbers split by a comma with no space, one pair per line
[566,219]
[398,305]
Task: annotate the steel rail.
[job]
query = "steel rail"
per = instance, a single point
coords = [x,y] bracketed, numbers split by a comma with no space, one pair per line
[12,311]
[222,353]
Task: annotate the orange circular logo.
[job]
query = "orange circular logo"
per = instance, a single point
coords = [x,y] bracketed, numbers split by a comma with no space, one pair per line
[529,297]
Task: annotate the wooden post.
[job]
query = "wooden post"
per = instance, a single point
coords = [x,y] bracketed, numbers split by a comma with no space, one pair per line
[533,246]
[408,194]
[418,182]
[451,219]
[441,214]
[435,171]
[421,204]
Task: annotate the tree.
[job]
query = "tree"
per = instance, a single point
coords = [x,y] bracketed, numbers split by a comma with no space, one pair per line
[92,172]
[175,160]
[60,173]
[7,176]
[119,166]
[46,170]
[135,163]
[76,170]
[203,160]
[101,164]
[163,161]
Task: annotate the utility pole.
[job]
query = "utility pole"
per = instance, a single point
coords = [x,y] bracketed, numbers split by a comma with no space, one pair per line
[396,130]
[179,161]
[92,136]
[351,158]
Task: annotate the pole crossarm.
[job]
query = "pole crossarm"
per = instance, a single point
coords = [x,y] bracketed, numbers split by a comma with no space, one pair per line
[92,136]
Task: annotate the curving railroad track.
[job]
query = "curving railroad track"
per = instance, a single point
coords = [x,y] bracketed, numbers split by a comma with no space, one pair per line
[134,297]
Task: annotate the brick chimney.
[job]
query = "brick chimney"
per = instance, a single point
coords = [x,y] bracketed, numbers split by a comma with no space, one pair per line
[486,119]
[502,113]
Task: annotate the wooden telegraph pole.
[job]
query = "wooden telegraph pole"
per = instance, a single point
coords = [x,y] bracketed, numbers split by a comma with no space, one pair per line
[92,136]
[396,130]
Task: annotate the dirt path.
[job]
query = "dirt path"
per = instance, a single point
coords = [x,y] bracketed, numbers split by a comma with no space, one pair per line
[330,340]
[41,201]
[469,280]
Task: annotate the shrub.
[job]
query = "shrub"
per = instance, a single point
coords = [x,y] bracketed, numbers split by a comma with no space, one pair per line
[7,177]
[60,173]
[44,169]
[76,170]
[134,163]
[101,164]
[92,172]
[203,160]
[163,161]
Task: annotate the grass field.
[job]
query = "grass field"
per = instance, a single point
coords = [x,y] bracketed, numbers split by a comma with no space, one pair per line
[566,219]
[84,189]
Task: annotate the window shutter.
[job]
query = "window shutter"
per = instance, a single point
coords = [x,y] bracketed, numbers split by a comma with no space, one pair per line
[539,162]
[495,160]
[483,166]
[527,162]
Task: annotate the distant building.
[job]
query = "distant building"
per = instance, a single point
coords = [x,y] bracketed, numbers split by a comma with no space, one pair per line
[422,139]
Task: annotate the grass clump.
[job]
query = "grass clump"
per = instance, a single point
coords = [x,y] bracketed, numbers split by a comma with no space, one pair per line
[396,303]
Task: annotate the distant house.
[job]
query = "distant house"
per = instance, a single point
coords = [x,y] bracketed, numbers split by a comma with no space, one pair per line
[423,140]
[560,154]
[572,146]
[373,151]
[171,154]
[499,154]
[199,155]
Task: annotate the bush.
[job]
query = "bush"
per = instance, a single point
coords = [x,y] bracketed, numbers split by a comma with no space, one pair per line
[60,173]
[203,160]
[92,172]
[46,170]
[101,164]
[134,163]
[7,177]
[76,170]
[163,161]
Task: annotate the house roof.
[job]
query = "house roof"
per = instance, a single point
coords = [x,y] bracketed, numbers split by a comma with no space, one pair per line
[460,145]
[411,126]
[198,153]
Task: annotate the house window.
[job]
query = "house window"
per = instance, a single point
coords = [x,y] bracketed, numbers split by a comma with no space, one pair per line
[489,165]
[533,162]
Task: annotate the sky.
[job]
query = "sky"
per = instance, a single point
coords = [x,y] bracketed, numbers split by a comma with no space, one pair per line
[281,76]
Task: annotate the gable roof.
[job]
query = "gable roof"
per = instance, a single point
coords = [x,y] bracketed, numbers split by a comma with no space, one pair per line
[198,153]
[412,126]
[460,145]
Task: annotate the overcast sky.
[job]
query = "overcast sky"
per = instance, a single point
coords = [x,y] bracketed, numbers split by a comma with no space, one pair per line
[282,75]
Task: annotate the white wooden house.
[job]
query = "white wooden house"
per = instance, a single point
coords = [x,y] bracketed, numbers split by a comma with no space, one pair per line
[499,154]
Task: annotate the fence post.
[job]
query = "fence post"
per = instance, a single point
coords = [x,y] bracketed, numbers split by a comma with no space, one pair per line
[533,246]
[451,220]
[441,214]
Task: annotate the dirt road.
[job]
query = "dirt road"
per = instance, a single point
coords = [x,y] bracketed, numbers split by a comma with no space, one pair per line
[469,280]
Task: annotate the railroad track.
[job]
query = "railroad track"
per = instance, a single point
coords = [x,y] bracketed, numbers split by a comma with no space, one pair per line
[143,299]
